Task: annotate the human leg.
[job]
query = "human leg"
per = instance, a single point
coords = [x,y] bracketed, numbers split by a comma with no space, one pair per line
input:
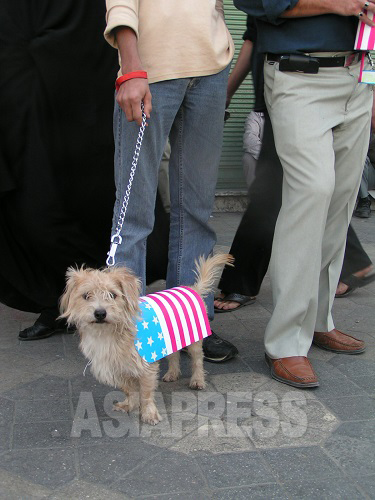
[371,177]
[364,187]
[249,166]
[163,184]
[308,186]
[196,145]
[252,243]
[139,219]
[45,326]
[196,139]
[363,208]
[356,266]
[350,143]
[355,258]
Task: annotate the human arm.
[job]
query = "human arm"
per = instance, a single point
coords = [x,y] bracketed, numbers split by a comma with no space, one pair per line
[132,92]
[121,32]
[309,8]
[253,134]
[240,70]
[275,11]
[220,7]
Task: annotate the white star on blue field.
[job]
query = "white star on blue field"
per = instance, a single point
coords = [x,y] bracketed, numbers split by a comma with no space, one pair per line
[149,341]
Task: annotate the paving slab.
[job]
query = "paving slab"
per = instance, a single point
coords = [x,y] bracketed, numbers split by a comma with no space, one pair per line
[235,469]
[354,456]
[352,408]
[107,464]
[245,436]
[256,492]
[83,490]
[13,487]
[44,467]
[367,485]
[214,436]
[169,472]
[44,388]
[324,489]
[301,464]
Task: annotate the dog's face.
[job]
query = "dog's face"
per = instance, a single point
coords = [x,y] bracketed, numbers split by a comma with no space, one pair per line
[100,298]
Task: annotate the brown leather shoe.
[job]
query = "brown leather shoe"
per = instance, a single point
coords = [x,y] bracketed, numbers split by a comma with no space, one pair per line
[339,342]
[295,371]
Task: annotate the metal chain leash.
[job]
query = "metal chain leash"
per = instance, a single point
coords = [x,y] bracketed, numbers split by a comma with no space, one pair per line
[116,238]
[370,60]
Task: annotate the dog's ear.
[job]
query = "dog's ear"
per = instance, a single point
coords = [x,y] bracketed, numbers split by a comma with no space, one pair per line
[72,272]
[72,276]
[129,284]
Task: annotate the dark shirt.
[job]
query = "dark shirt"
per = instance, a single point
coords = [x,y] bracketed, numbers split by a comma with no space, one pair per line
[257,61]
[325,33]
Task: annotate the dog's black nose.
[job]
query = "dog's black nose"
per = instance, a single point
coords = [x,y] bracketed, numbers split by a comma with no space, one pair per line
[100,314]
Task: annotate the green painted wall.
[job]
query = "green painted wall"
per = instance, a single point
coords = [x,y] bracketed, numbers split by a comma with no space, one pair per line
[230,172]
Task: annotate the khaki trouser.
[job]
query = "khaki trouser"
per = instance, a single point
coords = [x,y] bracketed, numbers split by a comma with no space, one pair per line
[321,125]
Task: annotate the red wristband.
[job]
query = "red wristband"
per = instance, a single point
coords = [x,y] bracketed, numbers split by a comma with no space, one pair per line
[129,76]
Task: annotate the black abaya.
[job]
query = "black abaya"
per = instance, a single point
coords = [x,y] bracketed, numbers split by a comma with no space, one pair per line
[57,78]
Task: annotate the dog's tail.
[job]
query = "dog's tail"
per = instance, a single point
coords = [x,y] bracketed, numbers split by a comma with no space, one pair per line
[208,270]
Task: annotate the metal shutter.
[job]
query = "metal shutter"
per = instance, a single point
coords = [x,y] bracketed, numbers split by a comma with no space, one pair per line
[230,171]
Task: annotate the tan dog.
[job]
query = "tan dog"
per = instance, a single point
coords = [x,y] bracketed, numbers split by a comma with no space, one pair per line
[103,306]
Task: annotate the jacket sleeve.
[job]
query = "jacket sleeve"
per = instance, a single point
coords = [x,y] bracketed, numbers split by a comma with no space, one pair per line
[120,13]
[266,10]
[251,30]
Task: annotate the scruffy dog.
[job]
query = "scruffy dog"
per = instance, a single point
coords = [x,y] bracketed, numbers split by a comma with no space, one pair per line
[103,305]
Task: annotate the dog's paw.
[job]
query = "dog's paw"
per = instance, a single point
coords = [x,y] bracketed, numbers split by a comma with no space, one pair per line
[151,416]
[197,384]
[122,406]
[171,376]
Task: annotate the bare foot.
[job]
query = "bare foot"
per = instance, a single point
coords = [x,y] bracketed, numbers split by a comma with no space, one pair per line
[228,304]
[342,287]
[363,272]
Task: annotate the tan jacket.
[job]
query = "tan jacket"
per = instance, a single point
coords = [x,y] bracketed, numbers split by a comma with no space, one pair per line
[176,38]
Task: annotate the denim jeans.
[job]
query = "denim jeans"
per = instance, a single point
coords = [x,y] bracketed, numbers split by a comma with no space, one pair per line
[191,112]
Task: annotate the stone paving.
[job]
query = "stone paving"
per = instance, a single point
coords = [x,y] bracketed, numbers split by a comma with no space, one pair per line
[245,436]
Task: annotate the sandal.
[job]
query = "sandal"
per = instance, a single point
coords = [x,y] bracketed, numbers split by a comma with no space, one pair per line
[353,282]
[242,300]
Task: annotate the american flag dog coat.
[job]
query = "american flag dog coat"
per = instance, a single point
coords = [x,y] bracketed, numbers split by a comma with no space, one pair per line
[170,320]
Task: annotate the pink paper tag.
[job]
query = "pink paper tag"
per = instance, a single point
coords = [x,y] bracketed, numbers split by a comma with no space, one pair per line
[365,39]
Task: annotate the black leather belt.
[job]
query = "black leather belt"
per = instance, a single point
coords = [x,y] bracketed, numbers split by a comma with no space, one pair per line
[324,62]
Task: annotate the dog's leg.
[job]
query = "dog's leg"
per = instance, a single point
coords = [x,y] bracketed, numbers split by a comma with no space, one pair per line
[197,380]
[173,372]
[131,391]
[147,385]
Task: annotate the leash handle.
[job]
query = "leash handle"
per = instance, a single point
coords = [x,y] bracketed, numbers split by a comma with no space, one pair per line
[116,238]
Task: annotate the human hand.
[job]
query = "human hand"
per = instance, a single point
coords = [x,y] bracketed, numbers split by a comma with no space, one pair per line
[129,97]
[355,8]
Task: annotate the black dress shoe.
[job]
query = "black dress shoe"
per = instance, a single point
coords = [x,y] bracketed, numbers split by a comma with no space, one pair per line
[40,331]
[218,350]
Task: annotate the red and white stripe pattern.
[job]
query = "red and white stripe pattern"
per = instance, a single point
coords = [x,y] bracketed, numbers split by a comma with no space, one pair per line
[180,314]
[365,39]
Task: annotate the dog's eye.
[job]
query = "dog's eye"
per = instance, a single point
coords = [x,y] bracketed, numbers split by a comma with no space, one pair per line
[112,295]
[85,296]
